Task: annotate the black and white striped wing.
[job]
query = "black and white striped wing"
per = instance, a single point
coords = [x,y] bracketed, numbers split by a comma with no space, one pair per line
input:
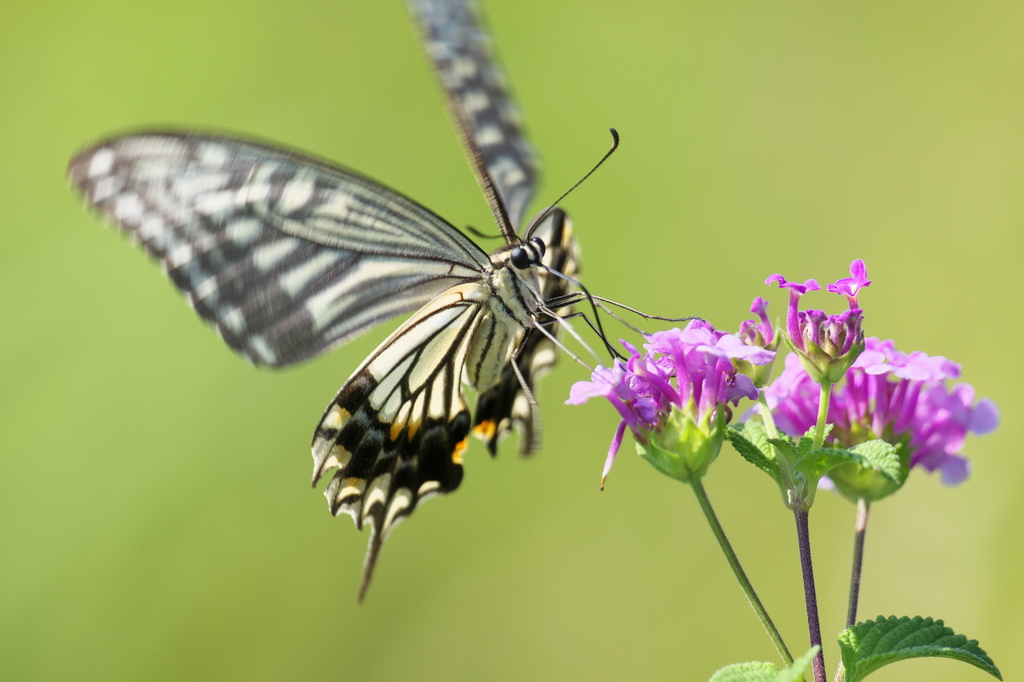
[395,432]
[285,254]
[488,120]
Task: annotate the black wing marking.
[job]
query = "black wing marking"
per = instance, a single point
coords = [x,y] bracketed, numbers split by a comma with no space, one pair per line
[285,254]
[505,405]
[488,121]
[395,432]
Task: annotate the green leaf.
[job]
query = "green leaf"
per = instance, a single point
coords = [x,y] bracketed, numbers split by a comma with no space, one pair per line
[756,671]
[868,646]
[795,672]
[746,672]
[751,441]
[876,455]
[881,456]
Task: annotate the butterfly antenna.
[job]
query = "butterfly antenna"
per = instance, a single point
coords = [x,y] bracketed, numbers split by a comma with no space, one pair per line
[482,235]
[544,214]
[602,301]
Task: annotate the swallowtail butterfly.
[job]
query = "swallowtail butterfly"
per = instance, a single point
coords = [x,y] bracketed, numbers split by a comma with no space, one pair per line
[289,256]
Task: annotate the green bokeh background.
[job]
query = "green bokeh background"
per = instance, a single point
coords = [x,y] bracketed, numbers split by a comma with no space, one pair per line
[155,516]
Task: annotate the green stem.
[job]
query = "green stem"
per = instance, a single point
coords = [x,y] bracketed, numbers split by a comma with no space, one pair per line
[766,417]
[741,576]
[819,429]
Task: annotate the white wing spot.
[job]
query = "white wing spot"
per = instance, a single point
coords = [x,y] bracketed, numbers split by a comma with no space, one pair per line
[262,349]
[234,321]
[151,228]
[213,155]
[104,189]
[269,255]
[338,207]
[488,135]
[299,277]
[378,493]
[427,488]
[400,502]
[128,209]
[207,287]
[215,203]
[102,162]
[180,255]
[243,231]
[296,195]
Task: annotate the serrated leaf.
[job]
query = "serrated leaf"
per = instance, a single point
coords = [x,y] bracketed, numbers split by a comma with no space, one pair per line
[746,672]
[868,646]
[881,456]
[809,434]
[756,671]
[815,463]
[752,443]
[876,455]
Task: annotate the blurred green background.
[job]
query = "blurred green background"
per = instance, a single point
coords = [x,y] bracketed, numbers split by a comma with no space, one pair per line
[155,516]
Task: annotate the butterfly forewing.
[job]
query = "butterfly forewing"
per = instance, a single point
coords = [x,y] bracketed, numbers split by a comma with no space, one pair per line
[474,86]
[286,255]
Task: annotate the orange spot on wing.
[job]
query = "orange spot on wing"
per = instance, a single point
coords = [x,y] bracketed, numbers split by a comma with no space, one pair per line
[485,429]
[460,447]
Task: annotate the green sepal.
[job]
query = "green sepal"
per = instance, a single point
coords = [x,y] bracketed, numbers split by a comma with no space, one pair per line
[682,448]
[868,646]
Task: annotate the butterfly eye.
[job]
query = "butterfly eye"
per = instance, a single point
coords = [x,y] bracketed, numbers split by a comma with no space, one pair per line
[527,254]
[519,258]
[538,245]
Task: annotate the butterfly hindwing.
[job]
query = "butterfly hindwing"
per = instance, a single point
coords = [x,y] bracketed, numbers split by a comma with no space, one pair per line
[395,432]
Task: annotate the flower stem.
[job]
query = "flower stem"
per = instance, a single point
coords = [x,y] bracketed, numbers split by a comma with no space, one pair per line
[863,507]
[737,569]
[766,416]
[819,428]
[810,597]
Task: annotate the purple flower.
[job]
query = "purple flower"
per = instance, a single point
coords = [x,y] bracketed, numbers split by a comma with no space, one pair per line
[826,344]
[849,286]
[894,396]
[758,333]
[675,397]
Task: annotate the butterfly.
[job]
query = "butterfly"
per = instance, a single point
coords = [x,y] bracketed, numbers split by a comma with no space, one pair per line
[288,256]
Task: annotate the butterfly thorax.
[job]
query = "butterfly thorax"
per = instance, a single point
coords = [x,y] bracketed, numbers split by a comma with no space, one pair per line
[511,304]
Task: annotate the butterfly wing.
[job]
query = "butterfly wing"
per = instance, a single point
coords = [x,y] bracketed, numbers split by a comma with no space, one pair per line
[395,432]
[486,118]
[285,254]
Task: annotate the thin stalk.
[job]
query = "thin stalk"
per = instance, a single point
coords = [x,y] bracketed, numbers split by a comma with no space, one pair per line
[863,507]
[737,569]
[819,428]
[810,596]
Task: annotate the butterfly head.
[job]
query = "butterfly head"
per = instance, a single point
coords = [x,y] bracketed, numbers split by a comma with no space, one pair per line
[527,254]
